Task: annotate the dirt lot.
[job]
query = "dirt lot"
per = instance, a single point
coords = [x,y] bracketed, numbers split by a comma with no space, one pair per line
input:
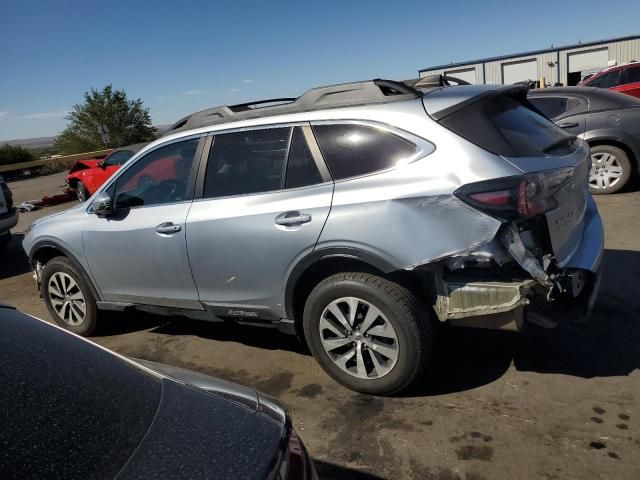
[544,404]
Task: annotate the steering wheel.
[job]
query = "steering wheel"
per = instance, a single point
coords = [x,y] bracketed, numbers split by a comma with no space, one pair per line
[168,191]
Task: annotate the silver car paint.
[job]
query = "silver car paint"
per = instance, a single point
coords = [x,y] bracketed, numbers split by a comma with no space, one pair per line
[407,216]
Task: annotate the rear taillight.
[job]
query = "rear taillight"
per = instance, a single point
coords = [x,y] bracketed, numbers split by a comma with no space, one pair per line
[518,197]
[296,464]
[8,196]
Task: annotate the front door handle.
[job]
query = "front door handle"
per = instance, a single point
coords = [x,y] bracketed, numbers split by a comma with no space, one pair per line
[291,219]
[568,125]
[168,228]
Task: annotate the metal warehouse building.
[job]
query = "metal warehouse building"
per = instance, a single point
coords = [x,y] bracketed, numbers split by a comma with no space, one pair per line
[566,65]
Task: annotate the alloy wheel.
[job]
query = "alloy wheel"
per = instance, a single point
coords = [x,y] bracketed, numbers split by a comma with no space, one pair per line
[605,170]
[67,298]
[358,338]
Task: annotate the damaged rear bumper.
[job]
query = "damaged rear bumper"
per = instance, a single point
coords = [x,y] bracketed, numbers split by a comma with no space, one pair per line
[545,293]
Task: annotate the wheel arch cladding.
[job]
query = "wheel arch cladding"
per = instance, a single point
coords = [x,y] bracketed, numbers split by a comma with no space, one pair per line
[45,251]
[321,264]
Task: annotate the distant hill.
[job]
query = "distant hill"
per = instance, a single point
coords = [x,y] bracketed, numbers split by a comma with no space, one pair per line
[34,143]
[48,142]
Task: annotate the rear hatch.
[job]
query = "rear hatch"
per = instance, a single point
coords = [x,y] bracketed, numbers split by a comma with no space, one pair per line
[555,165]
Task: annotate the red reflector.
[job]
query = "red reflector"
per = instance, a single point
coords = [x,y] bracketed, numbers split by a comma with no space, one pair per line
[501,197]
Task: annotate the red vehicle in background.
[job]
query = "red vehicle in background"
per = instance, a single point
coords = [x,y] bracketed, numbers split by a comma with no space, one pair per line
[622,78]
[86,176]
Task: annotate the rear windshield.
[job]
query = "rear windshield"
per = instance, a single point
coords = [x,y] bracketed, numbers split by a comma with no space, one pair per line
[507,126]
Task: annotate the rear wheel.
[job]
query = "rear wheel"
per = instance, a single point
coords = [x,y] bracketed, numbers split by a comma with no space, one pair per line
[610,169]
[81,192]
[369,334]
[68,297]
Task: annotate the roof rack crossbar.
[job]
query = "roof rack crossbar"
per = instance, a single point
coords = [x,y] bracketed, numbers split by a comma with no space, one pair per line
[243,107]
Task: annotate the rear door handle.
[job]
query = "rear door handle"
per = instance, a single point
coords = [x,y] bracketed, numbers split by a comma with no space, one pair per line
[290,219]
[568,125]
[168,228]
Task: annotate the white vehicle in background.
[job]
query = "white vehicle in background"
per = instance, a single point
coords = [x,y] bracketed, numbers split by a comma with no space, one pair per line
[8,214]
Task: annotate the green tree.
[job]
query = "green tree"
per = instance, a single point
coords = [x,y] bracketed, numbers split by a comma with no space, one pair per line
[10,154]
[126,122]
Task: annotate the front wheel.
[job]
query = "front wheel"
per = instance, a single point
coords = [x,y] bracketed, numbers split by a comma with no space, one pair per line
[369,334]
[610,169]
[68,297]
[82,193]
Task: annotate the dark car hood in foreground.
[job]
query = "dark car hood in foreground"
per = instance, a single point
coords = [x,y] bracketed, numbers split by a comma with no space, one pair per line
[71,409]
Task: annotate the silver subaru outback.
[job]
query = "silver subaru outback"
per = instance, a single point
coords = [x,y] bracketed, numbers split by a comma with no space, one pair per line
[357,216]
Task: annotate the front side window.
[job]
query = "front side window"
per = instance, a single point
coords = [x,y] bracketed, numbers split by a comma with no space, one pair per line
[161,176]
[242,163]
[607,80]
[351,150]
[117,158]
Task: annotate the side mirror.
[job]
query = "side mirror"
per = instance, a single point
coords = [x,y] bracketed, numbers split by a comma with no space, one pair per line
[101,204]
[102,165]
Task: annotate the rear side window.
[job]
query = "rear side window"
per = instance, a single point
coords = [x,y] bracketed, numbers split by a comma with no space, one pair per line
[633,75]
[606,80]
[246,162]
[352,150]
[506,126]
[552,107]
[302,170]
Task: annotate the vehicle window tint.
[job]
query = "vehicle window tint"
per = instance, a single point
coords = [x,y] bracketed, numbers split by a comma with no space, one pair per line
[160,176]
[633,75]
[572,103]
[301,167]
[118,158]
[506,126]
[246,162]
[605,81]
[551,106]
[352,150]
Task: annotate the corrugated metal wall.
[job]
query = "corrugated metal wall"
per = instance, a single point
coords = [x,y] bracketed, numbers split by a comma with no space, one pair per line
[621,52]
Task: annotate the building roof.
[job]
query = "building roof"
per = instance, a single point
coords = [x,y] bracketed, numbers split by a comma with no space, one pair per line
[530,53]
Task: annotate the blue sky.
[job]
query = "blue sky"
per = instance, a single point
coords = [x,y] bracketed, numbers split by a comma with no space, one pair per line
[181,56]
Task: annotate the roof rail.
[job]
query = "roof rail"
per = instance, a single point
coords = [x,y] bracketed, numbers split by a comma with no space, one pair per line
[332,96]
[435,81]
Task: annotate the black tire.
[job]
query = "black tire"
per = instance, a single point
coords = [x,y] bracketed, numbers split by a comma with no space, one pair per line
[81,192]
[600,171]
[64,266]
[402,310]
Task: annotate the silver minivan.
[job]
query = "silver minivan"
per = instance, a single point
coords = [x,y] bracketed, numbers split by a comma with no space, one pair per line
[357,216]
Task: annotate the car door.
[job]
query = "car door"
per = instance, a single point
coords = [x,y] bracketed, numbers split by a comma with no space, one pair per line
[265,197]
[138,254]
[631,83]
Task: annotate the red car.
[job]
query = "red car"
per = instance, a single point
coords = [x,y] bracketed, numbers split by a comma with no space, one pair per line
[86,176]
[622,78]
